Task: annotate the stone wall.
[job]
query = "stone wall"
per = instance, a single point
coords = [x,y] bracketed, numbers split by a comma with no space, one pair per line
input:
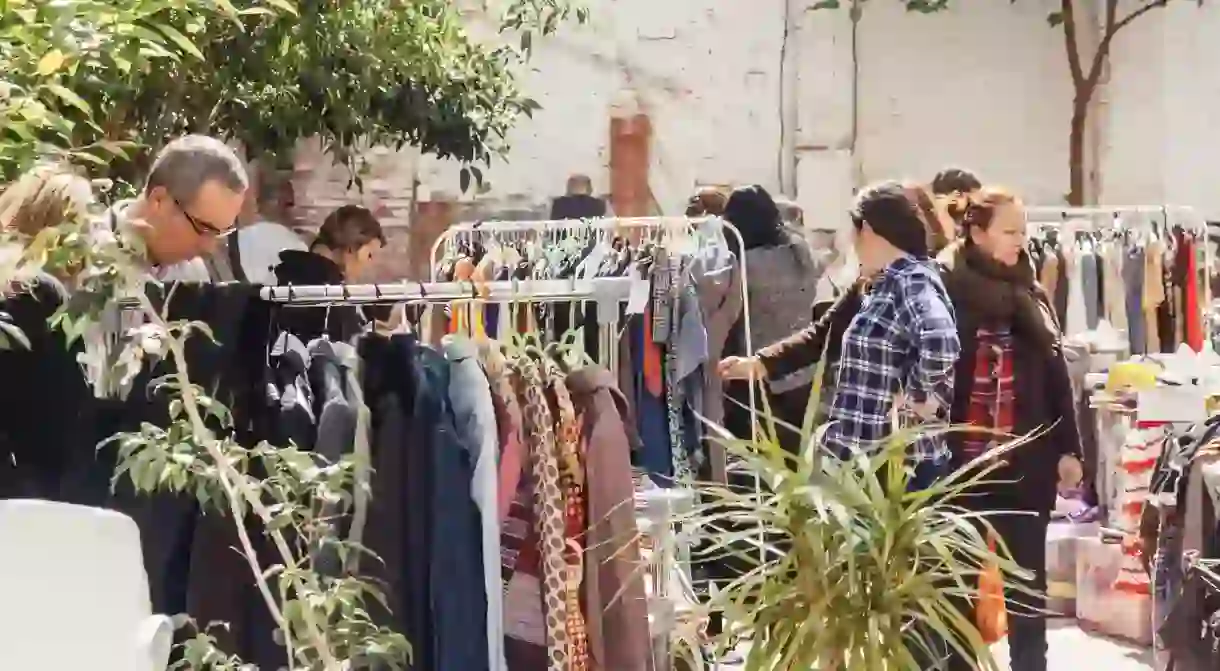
[652,99]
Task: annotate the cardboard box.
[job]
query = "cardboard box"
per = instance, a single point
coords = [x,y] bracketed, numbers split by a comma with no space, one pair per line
[1062,547]
[1100,607]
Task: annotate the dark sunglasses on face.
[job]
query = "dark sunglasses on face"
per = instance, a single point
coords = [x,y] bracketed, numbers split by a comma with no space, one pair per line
[201,227]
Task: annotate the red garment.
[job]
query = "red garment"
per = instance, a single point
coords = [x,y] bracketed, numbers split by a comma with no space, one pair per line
[1194,316]
[512,449]
[653,381]
[993,397]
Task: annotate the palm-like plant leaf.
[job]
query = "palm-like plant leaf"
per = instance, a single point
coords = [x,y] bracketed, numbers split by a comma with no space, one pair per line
[843,568]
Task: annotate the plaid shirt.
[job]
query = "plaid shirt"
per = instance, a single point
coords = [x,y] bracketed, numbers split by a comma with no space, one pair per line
[904,339]
[993,397]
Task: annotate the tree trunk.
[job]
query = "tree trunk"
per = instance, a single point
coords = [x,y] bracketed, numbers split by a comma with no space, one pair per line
[1076,139]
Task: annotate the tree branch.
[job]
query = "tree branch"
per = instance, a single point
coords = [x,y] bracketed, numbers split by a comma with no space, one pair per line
[1113,25]
[1103,50]
[1135,14]
[1068,10]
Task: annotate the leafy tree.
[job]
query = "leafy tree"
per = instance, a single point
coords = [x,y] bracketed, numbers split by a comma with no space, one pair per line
[352,72]
[1086,72]
[52,51]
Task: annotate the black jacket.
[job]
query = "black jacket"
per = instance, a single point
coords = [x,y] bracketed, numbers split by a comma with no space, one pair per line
[47,410]
[1044,401]
[339,322]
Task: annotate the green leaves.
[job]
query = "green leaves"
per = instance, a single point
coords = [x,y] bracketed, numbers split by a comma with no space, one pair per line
[64,62]
[843,567]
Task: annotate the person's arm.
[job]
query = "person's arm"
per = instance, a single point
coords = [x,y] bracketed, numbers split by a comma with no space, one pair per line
[806,347]
[1065,435]
[934,332]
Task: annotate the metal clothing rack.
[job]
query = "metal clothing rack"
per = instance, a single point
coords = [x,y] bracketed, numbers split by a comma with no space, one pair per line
[665,228]
[1178,215]
[1100,217]
[630,227]
[541,291]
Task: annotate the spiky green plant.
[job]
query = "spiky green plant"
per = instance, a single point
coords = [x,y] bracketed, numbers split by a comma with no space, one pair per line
[844,569]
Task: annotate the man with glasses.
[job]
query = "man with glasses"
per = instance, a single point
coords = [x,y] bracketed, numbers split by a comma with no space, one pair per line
[193,195]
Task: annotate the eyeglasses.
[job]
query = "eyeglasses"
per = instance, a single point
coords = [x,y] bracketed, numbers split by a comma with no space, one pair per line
[202,227]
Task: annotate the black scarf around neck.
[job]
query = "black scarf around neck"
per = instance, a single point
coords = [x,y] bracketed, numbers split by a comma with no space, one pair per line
[993,293]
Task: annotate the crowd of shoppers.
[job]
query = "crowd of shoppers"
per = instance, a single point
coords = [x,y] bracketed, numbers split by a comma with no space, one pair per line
[946,323]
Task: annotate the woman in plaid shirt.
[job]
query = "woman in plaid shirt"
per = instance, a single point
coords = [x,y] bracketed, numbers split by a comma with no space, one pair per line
[900,349]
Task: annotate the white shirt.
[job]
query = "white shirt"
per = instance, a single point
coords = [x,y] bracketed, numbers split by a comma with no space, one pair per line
[260,245]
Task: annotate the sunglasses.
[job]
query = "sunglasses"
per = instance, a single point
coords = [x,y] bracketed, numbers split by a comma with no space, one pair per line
[202,227]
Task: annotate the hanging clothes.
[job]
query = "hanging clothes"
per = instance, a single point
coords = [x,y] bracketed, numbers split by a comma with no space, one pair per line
[613,587]
[572,480]
[1192,313]
[1115,289]
[1090,288]
[1154,294]
[475,419]
[1049,275]
[1077,317]
[548,511]
[1133,279]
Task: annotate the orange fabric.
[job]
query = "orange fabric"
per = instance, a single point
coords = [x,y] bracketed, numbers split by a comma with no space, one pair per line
[653,381]
[991,616]
[1194,315]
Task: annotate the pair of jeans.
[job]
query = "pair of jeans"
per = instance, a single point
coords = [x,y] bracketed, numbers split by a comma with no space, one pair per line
[1024,534]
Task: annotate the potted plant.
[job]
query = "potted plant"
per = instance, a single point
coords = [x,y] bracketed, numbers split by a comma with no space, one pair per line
[842,568]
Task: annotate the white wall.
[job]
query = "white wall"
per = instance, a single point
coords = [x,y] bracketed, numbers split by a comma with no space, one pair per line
[705,71]
[983,86]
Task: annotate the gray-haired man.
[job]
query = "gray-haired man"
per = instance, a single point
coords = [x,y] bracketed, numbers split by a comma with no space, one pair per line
[192,198]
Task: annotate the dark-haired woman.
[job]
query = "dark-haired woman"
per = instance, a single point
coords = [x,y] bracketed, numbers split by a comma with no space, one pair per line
[781,280]
[1011,378]
[347,242]
[790,360]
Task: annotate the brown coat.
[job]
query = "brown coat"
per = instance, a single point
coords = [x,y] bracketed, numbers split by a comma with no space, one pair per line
[613,585]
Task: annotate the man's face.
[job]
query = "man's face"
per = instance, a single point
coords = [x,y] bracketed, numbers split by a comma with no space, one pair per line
[188,230]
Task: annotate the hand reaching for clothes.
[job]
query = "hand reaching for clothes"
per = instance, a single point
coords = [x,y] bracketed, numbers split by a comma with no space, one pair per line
[741,368]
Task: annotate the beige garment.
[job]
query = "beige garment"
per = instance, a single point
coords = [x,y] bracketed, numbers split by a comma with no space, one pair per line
[1154,292]
[1049,278]
[1115,291]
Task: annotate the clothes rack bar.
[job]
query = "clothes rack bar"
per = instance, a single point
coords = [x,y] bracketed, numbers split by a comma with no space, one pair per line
[657,224]
[539,291]
[1049,217]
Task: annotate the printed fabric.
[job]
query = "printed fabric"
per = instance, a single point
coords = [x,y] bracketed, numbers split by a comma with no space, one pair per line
[571,478]
[548,514]
[993,398]
[903,340]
